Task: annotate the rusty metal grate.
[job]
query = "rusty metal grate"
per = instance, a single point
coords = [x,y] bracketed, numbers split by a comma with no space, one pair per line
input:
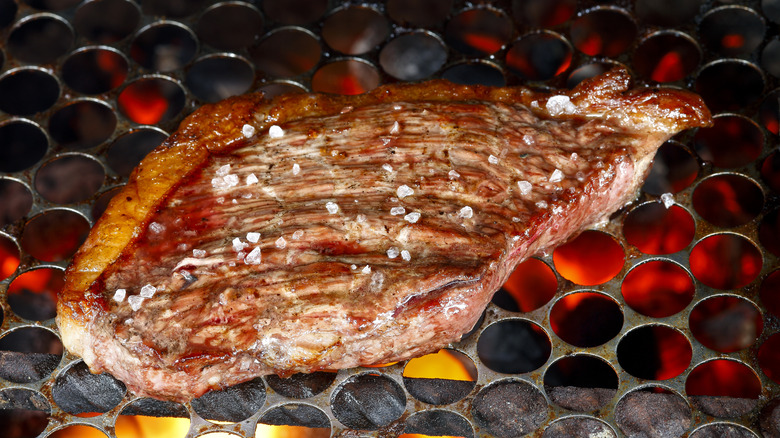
[663,323]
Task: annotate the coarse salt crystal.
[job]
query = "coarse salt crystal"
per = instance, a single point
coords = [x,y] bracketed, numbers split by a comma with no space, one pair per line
[148,291]
[574,156]
[412,217]
[360,218]
[557,105]
[387,167]
[253,236]
[135,302]
[296,169]
[224,170]
[275,131]
[525,187]
[231,180]
[198,253]
[396,127]
[557,209]
[515,219]
[453,174]
[119,295]
[393,252]
[218,183]
[541,204]
[556,176]
[667,199]
[332,207]
[366,269]
[238,245]
[466,212]
[528,139]
[252,179]
[280,243]
[353,267]
[404,191]
[297,234]
[492,159]
[405,255]
[254,257]
[157,227]
[248,130]
[395,211]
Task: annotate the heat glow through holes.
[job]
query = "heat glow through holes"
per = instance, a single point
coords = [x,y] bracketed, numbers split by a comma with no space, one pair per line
[586,319]
[347,76]
[33,294]
[78,431]
[151,100]
[725,261]
[531,286]
[769,232]
[591,258]
[769,111]
[355,30]
[732,30]
[580,383]
[139,420]
[655,229]
[539,56]
[9,257]
[603,32]
[54,235]
[514,346]
[94,70]
[770,292]
[440,378]
[723,378]
[770,171]
[732,141]
[674,169]
[667,56]
[728,200]
[27,415]
[413,56]
[286,52]
[726,323]
[588,71]
[654,352]
[658,288]
[478,32]
[769,357]
[543,13]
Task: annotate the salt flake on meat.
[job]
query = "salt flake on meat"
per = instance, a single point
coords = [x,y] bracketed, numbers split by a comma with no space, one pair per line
[396,127]
[556,176]
[667,199]
[404,191]
[366,269]
[392,252]
[395,211]
[453,174]
[253,236]
[405,255]
[135,302]
[558,105]
[238,245]
[198,253]
[275,131]
[254,257]
[223,170]
[119,295]
[525,187]
[230,180]
[281,243]
[360,218]
[387,167]
[297,234]
[466,212]
[248,131]
[412,217]
[148,291]
[156,227]
[332,207]
[251,179]
[492,159]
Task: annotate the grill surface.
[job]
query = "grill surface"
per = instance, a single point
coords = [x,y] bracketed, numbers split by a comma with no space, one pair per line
[663,323]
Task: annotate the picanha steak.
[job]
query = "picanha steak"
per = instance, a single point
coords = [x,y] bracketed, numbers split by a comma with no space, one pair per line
[315,232]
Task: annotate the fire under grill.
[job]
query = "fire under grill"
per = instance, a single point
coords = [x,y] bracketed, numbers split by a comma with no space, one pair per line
[663,323]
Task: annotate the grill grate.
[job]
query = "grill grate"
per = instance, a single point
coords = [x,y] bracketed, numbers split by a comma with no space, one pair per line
[663,323]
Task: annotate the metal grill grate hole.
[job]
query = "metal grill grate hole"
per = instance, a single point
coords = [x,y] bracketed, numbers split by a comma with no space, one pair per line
[101,203]
[726,323]
[770,171]
[422,13]
[770,292]
[15,201]
[33,294]
[9,257]
[308,417]
[667,56]
[603,31]
[301,385]
[514,346]
[423,377]
[78,430]
[94,70]
[82,124]
[216,77]
[732,30]
[658,288]
[106,21]
[40,39]
[368,401]
[355,30]
[23,144]
[77,391]
[151,100]
[348,76]
[69,179]
[286,52]
[586,319]
[164,46]
[653,411]
[729,85]
[413,56]
[725,261]
[509,408]
[574,259]
[728,200]
[769,232]
[656,229]
[27,91]
[475,73]
[654,352]
[25,413]
[720,430]
[54,235]
[674,169]
[539,56]
[732,141]
[230,25]
[580,383]
[723,388]
[530,286]
[29,354]
[233,404]
[129,149]
[478,32]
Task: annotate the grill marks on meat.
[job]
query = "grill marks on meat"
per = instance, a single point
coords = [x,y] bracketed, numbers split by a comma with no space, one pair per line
[374,229]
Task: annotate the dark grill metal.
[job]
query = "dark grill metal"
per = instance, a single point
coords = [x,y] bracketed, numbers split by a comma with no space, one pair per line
[663,323]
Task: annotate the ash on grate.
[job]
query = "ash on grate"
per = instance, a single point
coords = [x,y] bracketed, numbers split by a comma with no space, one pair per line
[77,390]
[368,401]
[438,423]
[510,408]
[235,403]
[723,407]
[296,414]
[645,413]
[576,427]
[301,385]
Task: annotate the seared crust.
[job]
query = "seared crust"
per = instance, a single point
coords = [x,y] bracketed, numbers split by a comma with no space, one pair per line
[217,129]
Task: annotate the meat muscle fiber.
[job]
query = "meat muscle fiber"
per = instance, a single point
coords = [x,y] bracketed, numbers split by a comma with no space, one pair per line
[315,232]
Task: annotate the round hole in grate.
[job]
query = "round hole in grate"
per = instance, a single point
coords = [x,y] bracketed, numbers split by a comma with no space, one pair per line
[164,46]
[769,357]
[658,288]
[770,292]
[9,256]
[732,30]
[354,30]
[728,200]
[654,352]
[40,38]
[726,323]
[277,88]
[440,378]
[148,414]
[539,56]
[15,202]
[22,144]
[27,91]
[422,13]
[151,100]
[769,419]
[576,426]
[52,5]
[603,31]
[69,178]
[770,59]
[543,13]
[530,286]
[667,13]
[732,141]
[298,12]
[106,21]
[368,401]
[438,423]
[588,71]
[769,232]
[769,112]
[94,70]
[29,354]
[307,420]
[230,25]
[301,385]
[173,8]
[413,56]
[674,169]
[653,411]
[509,408]
[478,32]
[770,171]
[54,235]
[25,412]
[77,391]
[718,430]
[129,149]
[216,77]
[286,52]
[82,124]
[586,319]
[730,84]
[78,430]
[725,261]
[580,382]
[667,56]
[591,258]
[8,10]
[514,346]
[235,403]
[33,294]
[655,229]
[475,73]
[346,76]
[101,203]
[723,388]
